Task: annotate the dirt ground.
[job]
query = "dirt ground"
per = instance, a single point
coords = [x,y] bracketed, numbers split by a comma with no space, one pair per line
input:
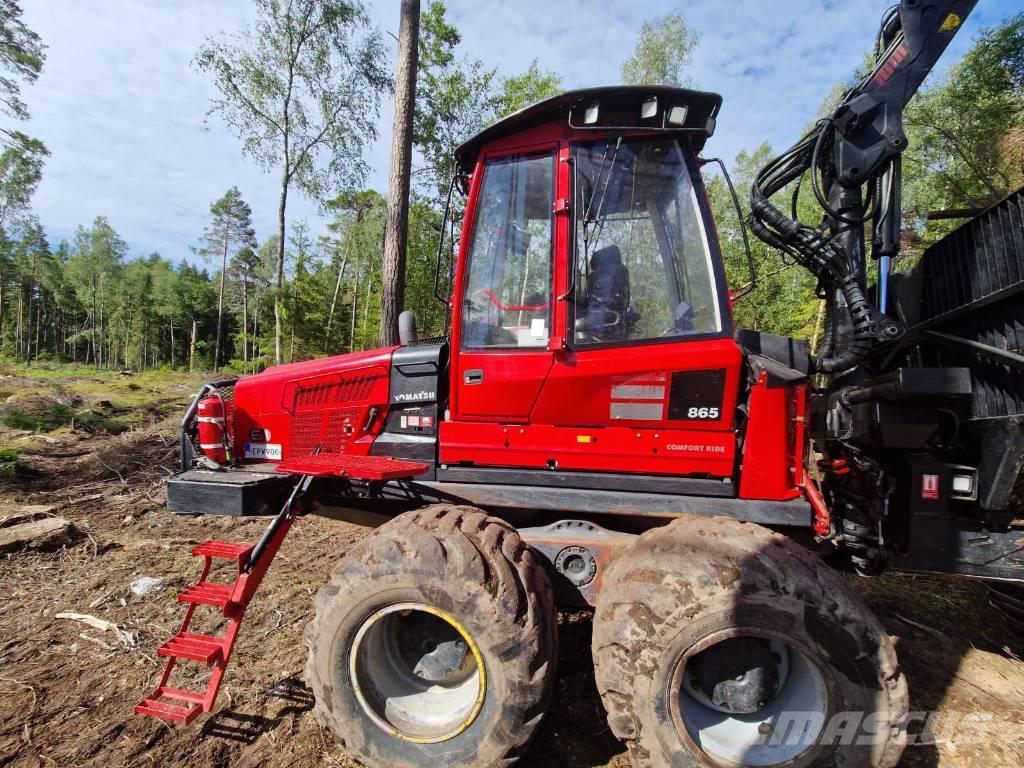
[67,689]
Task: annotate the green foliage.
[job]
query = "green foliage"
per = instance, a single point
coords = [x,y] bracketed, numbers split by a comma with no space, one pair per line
[458,97]
[301,88]
[533,85]
[21,170]
[39,421]
[302,83]
[21,58]
[21,157]
[664,48]
[230,226]
[966,132]
[86,301]
[230,230]
[783,299]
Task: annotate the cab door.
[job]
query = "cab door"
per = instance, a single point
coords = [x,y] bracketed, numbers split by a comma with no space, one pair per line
[503,322]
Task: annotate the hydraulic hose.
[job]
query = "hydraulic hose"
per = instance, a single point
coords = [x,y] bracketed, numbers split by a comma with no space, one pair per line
[820,253]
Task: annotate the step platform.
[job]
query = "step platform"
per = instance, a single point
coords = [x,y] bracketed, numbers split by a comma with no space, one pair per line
[371,468]
[205,649]
[162,703]
[208,593]
[224,550]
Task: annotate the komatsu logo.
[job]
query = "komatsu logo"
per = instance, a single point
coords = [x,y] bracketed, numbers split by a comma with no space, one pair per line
[414,397]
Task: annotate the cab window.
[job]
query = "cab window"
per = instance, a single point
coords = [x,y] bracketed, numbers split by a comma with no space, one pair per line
[507,300]
[642,262]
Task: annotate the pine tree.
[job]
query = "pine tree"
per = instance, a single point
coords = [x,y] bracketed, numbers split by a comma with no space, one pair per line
[230,229]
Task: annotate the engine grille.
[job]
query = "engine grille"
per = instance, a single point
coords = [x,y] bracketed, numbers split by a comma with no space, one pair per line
[331,431]
[329,412]
[343,389]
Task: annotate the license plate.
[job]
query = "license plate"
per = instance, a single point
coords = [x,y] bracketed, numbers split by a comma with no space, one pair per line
[263,451]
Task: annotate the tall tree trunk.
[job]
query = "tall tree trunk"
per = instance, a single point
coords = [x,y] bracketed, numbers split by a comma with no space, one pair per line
[280,259]
[31,301]
[337,290]
[39,323]
[171,322]
[352,324]
[1,302]
[95,314]
[245,317]
[220,297]
[192,346]
[819,324]
[256,348]
[396,229]
[19,323]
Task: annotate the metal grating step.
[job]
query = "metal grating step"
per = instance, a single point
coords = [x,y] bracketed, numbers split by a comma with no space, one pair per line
[155,705]
[207,593]
[224,550]
[194,647]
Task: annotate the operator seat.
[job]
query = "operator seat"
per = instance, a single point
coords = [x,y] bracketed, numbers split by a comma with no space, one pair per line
[606,314]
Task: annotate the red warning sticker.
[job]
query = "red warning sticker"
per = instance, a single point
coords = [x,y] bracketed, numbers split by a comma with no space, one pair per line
[929,487]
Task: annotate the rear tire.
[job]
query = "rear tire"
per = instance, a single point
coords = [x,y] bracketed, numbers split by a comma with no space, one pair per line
[434,643]
[702,583]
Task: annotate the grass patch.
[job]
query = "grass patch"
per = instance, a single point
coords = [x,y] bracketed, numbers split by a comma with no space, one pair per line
[40,421]
[133,391]
[942,603]
[7,466]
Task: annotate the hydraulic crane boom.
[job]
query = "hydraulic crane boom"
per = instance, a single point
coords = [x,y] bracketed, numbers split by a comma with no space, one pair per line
[853,156]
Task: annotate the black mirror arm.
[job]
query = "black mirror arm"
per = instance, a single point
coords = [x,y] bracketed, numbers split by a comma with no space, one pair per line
[440,245]
[743,227]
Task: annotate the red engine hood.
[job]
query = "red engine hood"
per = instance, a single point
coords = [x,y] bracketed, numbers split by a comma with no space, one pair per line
[336,404]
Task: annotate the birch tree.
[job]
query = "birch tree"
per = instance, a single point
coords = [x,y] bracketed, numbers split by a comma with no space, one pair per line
[301,88]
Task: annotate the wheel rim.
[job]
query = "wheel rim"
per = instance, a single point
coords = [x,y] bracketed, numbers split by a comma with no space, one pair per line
[417,673]
[734,706]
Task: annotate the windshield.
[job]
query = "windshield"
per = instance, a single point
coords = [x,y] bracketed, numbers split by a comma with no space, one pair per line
[642,263]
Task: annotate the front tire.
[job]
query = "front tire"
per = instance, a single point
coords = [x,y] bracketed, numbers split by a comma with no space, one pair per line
[719,643]
[434,643]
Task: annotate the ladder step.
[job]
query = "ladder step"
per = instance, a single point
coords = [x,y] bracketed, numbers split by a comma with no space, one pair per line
[187,645]
[154,705]
[225,550]
[178,694]
[207,593]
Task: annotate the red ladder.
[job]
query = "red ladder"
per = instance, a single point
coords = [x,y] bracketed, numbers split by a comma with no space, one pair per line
[252,562]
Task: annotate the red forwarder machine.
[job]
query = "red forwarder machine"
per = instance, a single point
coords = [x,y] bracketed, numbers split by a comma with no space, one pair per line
[593,431]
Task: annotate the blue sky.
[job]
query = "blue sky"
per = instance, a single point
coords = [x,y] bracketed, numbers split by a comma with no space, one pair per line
[122,111]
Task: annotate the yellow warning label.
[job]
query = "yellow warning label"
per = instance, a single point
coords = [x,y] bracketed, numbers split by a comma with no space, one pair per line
[952,22]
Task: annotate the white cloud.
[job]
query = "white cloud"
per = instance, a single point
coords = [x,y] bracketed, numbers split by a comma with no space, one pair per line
[122,111]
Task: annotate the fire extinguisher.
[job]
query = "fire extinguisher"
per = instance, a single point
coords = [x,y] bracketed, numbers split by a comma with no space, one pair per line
[213,435]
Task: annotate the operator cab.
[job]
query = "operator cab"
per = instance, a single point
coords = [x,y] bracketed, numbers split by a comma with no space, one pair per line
[590,315]
[640,263]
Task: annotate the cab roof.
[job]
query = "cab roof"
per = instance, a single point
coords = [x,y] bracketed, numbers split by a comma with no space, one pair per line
[619,108]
